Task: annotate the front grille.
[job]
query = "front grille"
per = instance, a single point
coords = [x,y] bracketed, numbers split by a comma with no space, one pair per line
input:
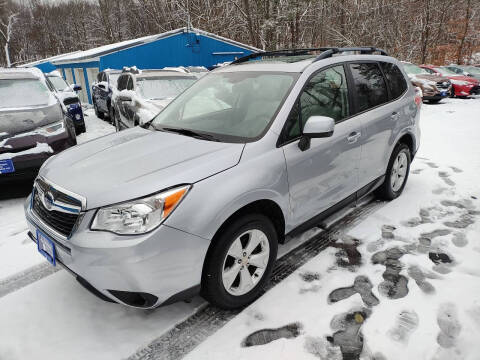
[443,85]
[62,222]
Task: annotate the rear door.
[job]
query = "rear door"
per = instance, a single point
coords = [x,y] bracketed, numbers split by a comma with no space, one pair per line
[326,173]
[380,113]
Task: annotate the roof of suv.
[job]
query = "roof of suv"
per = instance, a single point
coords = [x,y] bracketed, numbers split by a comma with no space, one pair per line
[297,60]
[20,73]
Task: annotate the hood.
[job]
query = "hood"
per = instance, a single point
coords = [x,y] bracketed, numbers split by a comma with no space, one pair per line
[464,78]
[21,120]
[135,163]
[431,77]
[62,95]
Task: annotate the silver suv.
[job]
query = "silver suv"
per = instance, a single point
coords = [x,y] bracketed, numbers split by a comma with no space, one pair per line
[199,198]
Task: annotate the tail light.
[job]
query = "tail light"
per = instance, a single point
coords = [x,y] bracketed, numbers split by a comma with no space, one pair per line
[418,97]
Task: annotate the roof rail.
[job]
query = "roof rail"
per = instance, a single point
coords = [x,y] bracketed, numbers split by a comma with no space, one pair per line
[362,50]
[274,53]
[326,52]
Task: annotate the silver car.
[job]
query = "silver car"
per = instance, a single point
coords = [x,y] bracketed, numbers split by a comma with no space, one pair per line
[199,199]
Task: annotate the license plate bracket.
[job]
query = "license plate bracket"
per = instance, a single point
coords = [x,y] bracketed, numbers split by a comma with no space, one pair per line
[46,247]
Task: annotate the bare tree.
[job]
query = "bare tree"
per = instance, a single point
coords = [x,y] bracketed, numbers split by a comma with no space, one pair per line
[6,30]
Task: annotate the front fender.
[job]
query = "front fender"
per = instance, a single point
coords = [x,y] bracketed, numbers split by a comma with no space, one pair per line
[213,200]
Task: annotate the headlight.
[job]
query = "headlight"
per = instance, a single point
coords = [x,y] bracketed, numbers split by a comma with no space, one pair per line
[51,129]
[139,216]
[460,82]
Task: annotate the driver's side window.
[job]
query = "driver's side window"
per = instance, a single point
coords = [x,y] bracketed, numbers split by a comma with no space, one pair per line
[325,94]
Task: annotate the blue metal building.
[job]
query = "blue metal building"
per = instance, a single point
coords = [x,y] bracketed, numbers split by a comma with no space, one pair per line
[180,47]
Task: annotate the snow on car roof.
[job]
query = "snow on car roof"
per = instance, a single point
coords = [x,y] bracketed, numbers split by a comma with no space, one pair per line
[20,73]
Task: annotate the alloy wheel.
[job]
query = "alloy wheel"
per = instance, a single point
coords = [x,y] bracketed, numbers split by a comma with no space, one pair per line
[399,171]
[245,262]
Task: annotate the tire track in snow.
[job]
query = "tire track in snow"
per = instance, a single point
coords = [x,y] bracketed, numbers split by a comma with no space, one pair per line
[187,335]
[26,277]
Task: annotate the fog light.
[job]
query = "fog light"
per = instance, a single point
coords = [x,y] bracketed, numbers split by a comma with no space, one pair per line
[78,117]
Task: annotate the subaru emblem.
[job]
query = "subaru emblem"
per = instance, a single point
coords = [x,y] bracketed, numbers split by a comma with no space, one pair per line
[48,200]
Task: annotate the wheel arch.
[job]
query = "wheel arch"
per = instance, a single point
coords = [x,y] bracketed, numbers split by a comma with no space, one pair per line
[266,207]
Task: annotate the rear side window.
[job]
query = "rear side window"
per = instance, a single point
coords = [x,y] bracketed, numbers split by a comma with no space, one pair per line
[395,79]
[370,87]
[122,82]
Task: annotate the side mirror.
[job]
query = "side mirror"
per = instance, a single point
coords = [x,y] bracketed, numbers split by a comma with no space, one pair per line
[76,87]
[316,127]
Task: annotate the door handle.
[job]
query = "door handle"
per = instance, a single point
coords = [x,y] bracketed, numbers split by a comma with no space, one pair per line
[395,116]
[353,137]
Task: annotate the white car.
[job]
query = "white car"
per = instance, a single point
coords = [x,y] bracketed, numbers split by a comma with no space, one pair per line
[142,94]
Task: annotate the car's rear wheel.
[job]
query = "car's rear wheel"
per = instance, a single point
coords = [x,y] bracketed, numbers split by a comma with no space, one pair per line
[240,262]
[397,173]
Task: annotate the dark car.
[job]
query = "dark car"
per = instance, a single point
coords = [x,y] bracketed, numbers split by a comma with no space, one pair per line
[33,124]
[102,91]
[67,94]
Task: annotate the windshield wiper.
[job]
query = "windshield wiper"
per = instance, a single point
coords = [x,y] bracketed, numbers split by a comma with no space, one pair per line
[191,133]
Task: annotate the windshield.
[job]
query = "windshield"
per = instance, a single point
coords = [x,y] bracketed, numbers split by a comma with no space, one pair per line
[22,93]
[472,70]
[445,71]
[59,84]
[162,87]
[233,106]
[414,69]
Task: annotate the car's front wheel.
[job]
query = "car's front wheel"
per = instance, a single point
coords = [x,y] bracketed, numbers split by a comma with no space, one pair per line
[240,262]
[397,173]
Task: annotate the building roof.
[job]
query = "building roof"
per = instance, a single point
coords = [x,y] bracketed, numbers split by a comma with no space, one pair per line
[49,59]
[95,53]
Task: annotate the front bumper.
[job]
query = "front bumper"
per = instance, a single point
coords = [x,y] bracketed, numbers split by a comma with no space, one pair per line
[160,265]
[76,113]
[465,90]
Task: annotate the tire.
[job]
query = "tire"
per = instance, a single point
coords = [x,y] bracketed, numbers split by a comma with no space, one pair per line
[72,136]
[80,129]
[436,101]
[98,114]
[218,260]
[389,190]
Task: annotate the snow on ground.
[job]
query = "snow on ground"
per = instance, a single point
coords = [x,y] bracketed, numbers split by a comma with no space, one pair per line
[423,311]
[404,300]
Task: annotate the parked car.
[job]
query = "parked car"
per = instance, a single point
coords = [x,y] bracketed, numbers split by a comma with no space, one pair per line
[463,86]
[199,198]
[471,70]
[434,88]
[33,126]
[457,69]
[143,93]
[67,95]
[102,92]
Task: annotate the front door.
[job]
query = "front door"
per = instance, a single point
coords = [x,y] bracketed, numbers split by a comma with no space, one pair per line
[327,172]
